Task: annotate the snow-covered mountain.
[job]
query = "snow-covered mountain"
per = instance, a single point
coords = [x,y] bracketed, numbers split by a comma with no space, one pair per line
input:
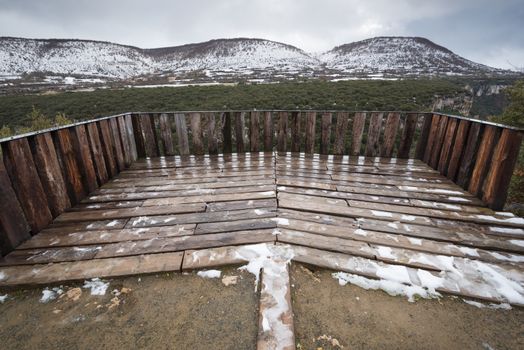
[223,59]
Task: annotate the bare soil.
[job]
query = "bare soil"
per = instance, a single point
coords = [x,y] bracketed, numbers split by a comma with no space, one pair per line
[165,311]
[327,314]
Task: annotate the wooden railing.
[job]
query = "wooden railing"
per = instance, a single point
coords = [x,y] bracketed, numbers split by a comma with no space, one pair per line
[45,173]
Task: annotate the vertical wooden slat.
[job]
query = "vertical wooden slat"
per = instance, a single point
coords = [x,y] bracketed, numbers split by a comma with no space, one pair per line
[268,132]
[483,161]
[97,152]
[311,119]
[149,136]
[501,169]
[48,167]
[126,147]
[166,135]
[138,135]
[439,140]
[239,131]
[83,154]
[117,144]
[325,139]
[447,146]
[226,132]
[196,131]
[14,228]
[359,121]
[390,135]
[432,135]
[295,132]
[69,164]
[181,132]
[423,137]
[131,137]
[254,134]
[107,148]
[340,133]
[212,137]
[468,159]
[457,149]
[282,132]
[408,134]
[375,127]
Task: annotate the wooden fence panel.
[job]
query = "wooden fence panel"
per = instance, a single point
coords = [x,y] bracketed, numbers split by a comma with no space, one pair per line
[196,132]
[131,137]
[226,132]
[325,138]
[457,149]
[359,121]
[390,135]
[375,127]
[139,136]
[423,137]
[107,148]
[268,132]
[408,134]
[166,135]
[341,129]
[70,168]
[239,131]
[482,162]
[311,119]
[117,144]
[126,147]
[149,135]
[296,138]
[212,135]
[181,132]
[447,146]
[282,132]
[439,140]
[468,159]
[431,137]
[254,132]
[98,153]
[85,161]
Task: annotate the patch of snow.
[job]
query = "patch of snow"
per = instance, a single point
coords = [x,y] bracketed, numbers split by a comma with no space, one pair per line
[408,217]
[281,221]
[459,199]
[508,230]
[503,306]
[386,252]
[50,294]
[518,242]
[360,232]
[3,298]
[512,220]
[113,223]
[97,286]
[415,241]
[3,276]
[381,213]
[260,211]
[468,251]
[209,273]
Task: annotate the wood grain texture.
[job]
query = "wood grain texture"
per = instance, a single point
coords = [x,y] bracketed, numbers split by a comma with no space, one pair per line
[254,131]
[373,140]
[483,159]
[431,137]
[137,133]
[282,132]
[239,131]
[408,135]
[131,137]
[181,132]
[98,153]
[311,119]
[325,135]
[457,149]
[85,160]
[108,148]
[166,134]
[357,132]
[339,145]
[468,159]
[427,121]
[126,146]
[447,146]
[268,132]
[226,132]
[439,140]
[148,134]
[212,134]
[69,164]
[390,135]
[197,133]
[118,149]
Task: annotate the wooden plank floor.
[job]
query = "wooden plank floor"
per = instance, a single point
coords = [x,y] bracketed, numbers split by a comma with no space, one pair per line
[391,212]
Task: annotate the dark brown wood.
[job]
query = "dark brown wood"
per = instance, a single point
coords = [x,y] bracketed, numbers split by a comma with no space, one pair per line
[325,139]
[239,131]
[13,225]
[69,164]
[390,135]
[501,170]
[226,132]
[359,121]
[48,167]
[166,134]
[131,137]
[447,146]
[468,159]
[375,127]
[139,139]
[483,159]
[432,135]
[439,140]
[339,145]
[98,153]
[212,135]
[295,132]
[181,132]
[19,164]
[268,132]
[254,132]
[126,147]
[108,149]
[148,134]
[423,137]
[197,133]
[311,119]
[84,158]
[408,134]
[282,132]
[117,144]
[457,149]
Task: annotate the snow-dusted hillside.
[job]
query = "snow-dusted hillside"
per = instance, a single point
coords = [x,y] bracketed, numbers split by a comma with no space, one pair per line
[400,55]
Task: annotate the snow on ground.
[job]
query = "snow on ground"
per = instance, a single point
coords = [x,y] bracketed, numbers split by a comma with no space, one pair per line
[3,298]
[97,286]
[209,273]
[50,294]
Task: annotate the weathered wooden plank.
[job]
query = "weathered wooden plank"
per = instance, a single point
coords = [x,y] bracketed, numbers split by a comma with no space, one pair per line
[501,169]
[149,135]
[108,149]
[117,144]
[197,133]
[432,135]
[282,132]
[311,119]
[447,146]
[166,134]
[26,183]
[439,140]
[457,149]
[226,132]
[97,152]
[483,159]
[408,134]
[359,121]
[390,135]
[325,139]
[69,163]
[212,135]
[131,137]
[48,167]
[268,132]
[13,224]
[181,132]
[467,161]
[139,138]
[126,147]
[339,145]
[85,160]
[422,142]
[254,132]
[296,139]
[373,140]
[239,131]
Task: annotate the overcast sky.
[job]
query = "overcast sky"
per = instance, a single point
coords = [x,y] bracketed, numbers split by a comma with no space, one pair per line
[486,31]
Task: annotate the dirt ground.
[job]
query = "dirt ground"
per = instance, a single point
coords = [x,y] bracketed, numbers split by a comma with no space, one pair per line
[165,311]
[327,314]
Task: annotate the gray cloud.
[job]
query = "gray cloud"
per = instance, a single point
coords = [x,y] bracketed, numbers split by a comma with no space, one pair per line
[485,31]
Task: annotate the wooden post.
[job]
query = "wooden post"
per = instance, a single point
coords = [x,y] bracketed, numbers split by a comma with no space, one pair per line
[196,130]
[226,132]
[422,142]
[125,141]
[483,161]
[468,159]
[181,132]
[432,135]
[98,153]
[457,149]
[295,132]
[138,135]
[390,135]
[282,132]
[212,137]
[239,131]
[131,137]
[268,132]
[439,140]
[107,148]
[359,121]
[340,133]
[447,146]
[83,154]
[325,140]
[148,134]
[407,135]
[117,144]
[254,134]
[311,119]
[166,135]
[375,127]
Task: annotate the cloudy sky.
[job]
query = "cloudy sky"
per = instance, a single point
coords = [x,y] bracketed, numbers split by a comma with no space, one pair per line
[486,31]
